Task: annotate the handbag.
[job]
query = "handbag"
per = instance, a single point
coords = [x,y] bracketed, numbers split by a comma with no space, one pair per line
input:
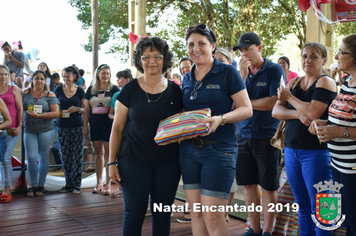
[277,140]
[182,126]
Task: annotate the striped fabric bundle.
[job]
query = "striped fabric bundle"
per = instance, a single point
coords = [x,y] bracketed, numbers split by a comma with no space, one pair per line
[182,126]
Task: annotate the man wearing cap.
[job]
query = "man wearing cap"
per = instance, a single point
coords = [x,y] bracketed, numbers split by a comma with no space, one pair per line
[15,61]
[257,161]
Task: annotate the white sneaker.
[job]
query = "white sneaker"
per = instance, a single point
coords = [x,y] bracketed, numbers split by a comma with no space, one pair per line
[77,191]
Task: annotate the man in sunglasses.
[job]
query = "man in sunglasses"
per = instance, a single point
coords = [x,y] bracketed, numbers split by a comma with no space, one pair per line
[257,161]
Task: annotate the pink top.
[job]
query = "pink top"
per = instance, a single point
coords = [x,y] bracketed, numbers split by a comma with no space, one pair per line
[9,99]
[291,76]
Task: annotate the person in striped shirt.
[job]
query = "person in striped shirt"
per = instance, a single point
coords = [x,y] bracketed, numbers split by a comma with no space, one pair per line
[340,133]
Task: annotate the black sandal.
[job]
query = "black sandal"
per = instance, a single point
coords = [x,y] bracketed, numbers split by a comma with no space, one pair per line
[31,192]
[40,191]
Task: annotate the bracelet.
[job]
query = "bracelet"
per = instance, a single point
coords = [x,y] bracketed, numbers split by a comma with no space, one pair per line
[111,163]
[223,120]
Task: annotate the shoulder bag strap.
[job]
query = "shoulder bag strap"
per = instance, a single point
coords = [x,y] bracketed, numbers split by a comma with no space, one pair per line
[296,82]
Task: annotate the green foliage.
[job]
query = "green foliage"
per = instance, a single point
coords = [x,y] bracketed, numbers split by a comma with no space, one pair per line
[113,22]
[229,19]
[345,28]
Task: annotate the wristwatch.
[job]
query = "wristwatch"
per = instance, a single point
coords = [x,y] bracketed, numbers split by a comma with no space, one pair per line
[223,120]
[346,134]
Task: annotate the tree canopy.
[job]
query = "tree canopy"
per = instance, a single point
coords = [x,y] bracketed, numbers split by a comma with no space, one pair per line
[272,20]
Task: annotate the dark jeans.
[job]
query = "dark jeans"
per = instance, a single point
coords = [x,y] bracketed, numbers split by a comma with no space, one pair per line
[56,153]
[348,193]
[138,182]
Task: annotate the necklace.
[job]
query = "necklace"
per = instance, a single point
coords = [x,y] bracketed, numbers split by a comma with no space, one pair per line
[154,88]
[69,91]
[35,98]
[149,100]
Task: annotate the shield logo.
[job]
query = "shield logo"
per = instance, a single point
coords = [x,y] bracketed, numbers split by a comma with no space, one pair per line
[328,207]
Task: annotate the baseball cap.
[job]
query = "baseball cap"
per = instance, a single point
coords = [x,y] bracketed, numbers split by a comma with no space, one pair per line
[246,40]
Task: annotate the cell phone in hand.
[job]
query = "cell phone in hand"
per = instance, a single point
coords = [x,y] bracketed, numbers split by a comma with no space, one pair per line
[282,82]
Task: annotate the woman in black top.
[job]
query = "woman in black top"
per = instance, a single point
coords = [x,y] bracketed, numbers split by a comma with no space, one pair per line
[307,161]
[70,128]
[144,168]
[97,107]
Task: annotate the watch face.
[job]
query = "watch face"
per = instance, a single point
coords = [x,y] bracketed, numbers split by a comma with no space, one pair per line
[346,134]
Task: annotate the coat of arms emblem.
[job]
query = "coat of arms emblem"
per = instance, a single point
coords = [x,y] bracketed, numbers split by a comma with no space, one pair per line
[328,205]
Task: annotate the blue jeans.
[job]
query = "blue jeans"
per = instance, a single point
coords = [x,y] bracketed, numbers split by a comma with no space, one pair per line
[304,169]
[6,166]
[56,153]
[37,147]
[348,193]
[3,146]
[139,182]
[210,168]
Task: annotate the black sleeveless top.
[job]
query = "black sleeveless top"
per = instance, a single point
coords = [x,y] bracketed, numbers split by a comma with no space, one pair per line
[296,133]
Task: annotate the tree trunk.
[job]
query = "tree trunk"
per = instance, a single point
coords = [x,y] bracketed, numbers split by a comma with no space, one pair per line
[95,39]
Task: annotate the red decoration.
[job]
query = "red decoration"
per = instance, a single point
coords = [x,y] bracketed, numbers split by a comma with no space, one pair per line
[134,38]
[17,163]
[305,4]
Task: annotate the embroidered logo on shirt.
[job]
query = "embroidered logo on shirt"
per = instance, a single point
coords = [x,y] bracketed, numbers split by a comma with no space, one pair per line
[262,84]
[213,86]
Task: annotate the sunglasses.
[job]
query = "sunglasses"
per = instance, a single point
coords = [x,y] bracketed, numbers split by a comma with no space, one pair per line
[203,28]
[194,93]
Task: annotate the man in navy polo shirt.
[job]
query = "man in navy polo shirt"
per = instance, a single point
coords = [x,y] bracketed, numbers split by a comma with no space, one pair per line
[257,161]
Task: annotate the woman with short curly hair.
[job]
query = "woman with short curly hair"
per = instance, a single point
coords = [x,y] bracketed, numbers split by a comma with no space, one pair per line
[144,168]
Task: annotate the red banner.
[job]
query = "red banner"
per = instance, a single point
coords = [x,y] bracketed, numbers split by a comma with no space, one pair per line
[343,10]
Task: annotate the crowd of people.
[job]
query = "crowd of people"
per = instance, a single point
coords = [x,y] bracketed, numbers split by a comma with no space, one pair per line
[247,100]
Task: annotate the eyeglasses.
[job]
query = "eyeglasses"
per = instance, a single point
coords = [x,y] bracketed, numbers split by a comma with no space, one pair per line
[155,57]
[194,93]
[342,53]
[201,27]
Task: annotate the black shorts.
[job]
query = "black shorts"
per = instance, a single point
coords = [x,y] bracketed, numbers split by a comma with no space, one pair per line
[100,129]
[258,163]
